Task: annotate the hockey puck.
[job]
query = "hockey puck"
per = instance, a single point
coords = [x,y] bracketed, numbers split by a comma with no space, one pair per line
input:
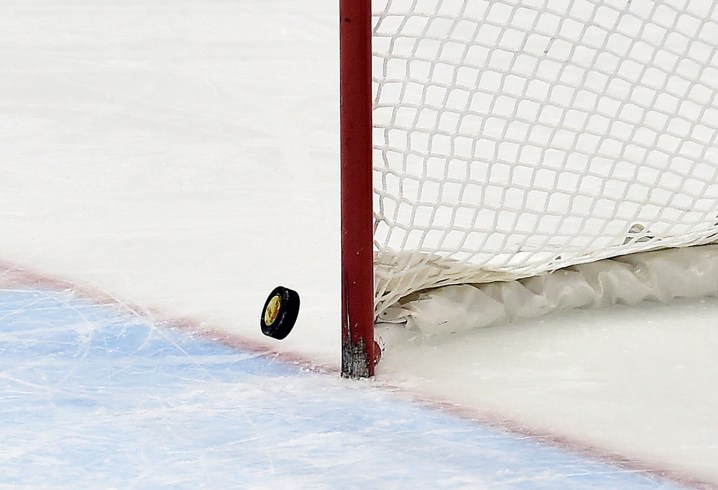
[280,313]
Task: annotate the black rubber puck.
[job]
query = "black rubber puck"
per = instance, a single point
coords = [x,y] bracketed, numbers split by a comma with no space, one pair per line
[280,313]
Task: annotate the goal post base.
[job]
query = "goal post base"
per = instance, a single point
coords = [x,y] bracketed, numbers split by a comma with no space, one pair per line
[356,361]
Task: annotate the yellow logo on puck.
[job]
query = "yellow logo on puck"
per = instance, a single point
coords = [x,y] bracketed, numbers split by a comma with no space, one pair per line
[272,311]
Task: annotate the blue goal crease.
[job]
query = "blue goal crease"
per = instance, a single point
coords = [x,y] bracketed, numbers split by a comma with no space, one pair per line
[94,396]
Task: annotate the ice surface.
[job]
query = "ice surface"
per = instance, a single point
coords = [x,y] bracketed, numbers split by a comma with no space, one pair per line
[181,159]
[95,397]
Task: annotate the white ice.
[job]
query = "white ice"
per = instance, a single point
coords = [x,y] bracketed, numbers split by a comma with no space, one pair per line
[183,158]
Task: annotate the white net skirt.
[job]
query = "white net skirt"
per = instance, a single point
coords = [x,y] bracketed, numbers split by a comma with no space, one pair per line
[517,137]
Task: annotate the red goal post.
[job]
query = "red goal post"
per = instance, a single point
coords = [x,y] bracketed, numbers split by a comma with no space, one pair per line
[358,355]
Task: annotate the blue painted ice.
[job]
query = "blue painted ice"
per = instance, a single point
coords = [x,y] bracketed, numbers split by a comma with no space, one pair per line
[95,398]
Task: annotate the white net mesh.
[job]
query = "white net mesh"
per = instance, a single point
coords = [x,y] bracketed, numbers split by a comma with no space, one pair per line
[515,137]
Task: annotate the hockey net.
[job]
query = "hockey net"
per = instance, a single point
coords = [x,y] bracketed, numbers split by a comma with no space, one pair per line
[514,138]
